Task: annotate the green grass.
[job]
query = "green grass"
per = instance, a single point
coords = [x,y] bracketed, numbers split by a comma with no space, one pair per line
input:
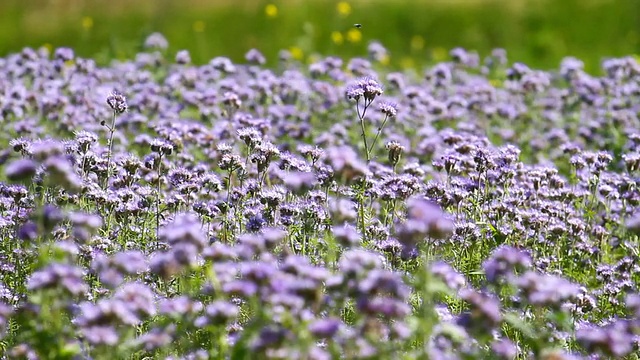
[537,32]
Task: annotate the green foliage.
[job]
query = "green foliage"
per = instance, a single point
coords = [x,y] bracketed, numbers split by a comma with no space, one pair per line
[538,33]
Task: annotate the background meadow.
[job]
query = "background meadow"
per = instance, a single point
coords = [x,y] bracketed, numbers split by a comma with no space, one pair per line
[449,180]
[536,32]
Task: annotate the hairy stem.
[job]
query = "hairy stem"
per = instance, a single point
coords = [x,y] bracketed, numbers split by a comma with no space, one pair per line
[373,144]
[158,197]
[112,129]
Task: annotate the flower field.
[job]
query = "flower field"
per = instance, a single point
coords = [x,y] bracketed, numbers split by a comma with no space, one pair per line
[157,209]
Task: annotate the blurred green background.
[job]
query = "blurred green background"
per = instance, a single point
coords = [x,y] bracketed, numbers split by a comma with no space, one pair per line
[537,32]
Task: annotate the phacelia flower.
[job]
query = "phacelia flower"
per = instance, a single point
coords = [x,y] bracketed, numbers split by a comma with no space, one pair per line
[117,101]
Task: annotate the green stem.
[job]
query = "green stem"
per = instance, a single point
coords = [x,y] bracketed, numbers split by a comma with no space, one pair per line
[112,129]
[158,197]
[362,127]
[363,228]
[226,220]
[378,133]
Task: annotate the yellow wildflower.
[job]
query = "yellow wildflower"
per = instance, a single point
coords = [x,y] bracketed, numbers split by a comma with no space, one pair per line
[296,53]
[354,35]
[87,22]
[271,10]
[344,9]
[337,37]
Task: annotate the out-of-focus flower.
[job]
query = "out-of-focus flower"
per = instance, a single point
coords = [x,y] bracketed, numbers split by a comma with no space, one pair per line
[156,41]
[424,219]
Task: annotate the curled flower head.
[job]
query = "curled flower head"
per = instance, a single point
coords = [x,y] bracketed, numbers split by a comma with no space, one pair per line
[354,92]
[388,108]
[367,87]
[395,151]
[117,101]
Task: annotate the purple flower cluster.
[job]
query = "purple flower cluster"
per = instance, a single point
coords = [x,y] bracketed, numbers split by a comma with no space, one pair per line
[234,210]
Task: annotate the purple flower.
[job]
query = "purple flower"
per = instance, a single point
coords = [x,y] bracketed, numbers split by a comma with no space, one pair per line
[84,225]
[179,306]
[21,170]
[28,231]
[138,298]
[100,335]
[377,51]
[357,262]
[346,235]
[68,277]
[185,228]
[117,101]
[546,290]
[255,223]
[165,264]
[219,253]
[504,261]
[5,313]
[63,54]
[130,262]
[112,270]
[504,349]
[271,337]
[485,310]
[614,340]
[255,57]
[366,87]
[250,136]
[383,282]
[231,163]
[448,275]
[387,307]
[633,303]
[61,172]
[299,182]
[218,313]
[240,288]
[273,236]
[388,108]
[183,57]
[346,163]
[633,223]
[424,219]
[51,216]
[325,328]
[156,41]
[157,338]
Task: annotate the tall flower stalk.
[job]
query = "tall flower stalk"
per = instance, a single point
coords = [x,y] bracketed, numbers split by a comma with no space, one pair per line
[389,110]
[231,163]
[367,89]
[118,103]
[162,148]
